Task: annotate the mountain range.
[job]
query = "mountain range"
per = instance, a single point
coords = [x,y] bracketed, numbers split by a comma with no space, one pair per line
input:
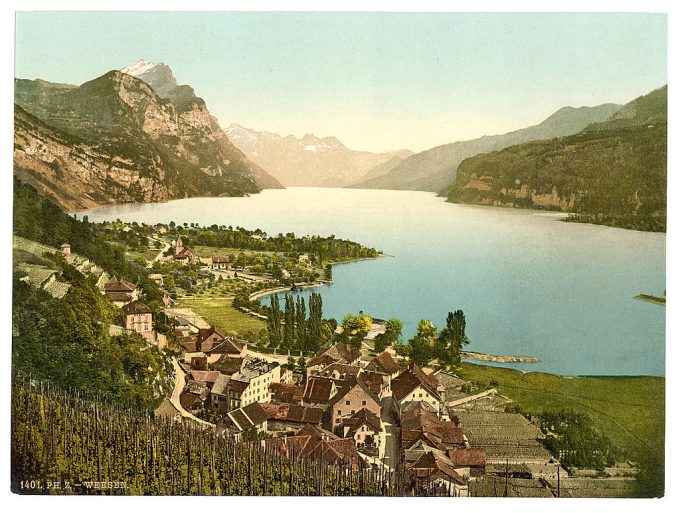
[310,161]
[126,136]
[434,169]
[612,172]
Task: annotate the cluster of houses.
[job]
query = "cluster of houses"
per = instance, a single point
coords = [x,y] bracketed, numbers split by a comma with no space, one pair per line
[186,255]
[340,407]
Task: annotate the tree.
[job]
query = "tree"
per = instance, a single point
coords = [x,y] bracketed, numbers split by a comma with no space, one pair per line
[314,325]
[289,326]
[274,322]
[393,330]
[422,347]
[453,338]
[301,324]
[355,328]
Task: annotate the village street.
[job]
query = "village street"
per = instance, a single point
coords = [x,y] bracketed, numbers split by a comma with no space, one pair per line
[389,437]
[166,246]
[180,383]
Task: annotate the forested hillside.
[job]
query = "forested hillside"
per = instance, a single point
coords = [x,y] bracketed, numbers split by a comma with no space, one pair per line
[611,173]
[67,340]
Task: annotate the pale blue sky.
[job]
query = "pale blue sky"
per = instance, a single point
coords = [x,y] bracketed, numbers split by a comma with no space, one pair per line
[376,81]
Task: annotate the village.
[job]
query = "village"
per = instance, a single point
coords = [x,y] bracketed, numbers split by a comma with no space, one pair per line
[355,408]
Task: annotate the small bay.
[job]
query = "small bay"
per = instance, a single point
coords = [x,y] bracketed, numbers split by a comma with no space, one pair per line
[529,284]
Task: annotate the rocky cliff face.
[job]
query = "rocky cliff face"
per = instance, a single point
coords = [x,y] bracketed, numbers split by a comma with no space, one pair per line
[78,175]
[114,139]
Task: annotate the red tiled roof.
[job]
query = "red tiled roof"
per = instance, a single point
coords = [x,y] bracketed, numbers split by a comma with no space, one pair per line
[136,307]
[316,444]
[412,378]
[318,390]
[374,380]
[350,384]
[204,333]
[384,362]
[293,413]
[189,401]
[206,376]
[421,424]
[429,466]
[237,387]
[344,352]
[286,392]
[361,418]
[322,360]
[229,345]
[467,457]
[220,260]
[343,370]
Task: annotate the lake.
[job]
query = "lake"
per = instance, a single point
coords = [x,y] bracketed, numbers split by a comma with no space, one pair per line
[529,284]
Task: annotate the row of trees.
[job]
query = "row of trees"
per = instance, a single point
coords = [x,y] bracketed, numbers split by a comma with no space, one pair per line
[293,329]
[320,249]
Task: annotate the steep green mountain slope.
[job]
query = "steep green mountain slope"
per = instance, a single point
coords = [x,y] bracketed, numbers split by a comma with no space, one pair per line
[612,172]
[434,169]
[67,341]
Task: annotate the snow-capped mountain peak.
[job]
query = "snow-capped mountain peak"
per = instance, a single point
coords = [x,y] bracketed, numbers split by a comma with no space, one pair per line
[138,68]
[157,75]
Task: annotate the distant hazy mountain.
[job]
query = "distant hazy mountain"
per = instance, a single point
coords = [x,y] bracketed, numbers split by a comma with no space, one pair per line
[114,139]
[308,161]
[433,169]
[612,172]
[381,169]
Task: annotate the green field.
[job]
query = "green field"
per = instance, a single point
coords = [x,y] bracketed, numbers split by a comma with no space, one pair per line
[221,313]
[630,410]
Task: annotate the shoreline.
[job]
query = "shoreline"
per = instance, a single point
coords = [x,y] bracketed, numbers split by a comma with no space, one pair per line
[268,292]
[655,300]
[472,355]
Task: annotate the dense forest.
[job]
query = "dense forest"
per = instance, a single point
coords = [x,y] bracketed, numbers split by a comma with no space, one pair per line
[611,173]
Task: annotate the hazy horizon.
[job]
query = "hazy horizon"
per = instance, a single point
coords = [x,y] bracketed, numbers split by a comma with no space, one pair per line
[376,81]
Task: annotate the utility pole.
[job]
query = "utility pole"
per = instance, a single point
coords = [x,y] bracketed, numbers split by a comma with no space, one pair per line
[558,480]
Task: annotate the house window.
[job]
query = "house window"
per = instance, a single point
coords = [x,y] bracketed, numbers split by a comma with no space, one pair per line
[339,412]
[347,404]
[420,395]
[353,412]
[363,403]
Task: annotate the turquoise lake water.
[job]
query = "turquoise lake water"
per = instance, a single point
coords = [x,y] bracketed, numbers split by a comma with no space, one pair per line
[529,284]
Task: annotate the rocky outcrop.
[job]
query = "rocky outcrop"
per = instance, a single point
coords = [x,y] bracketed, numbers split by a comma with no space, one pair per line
[114,139]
